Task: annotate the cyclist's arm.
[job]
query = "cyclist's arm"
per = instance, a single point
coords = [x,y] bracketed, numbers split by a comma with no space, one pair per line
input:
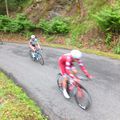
[68,69]
[82,67]
[39,46]
[31,46]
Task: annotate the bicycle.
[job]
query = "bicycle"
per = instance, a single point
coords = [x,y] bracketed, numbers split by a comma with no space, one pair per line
[38,56]
[80,93]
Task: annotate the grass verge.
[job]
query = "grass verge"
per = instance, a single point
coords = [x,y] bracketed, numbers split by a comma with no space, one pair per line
[15,104]
[67,46]
[90,51]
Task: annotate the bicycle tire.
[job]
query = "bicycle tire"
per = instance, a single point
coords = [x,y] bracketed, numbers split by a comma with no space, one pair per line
[83,98]
[41,60]
[59,82]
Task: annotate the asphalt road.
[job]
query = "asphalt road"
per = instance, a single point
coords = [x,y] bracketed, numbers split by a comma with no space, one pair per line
[40,83]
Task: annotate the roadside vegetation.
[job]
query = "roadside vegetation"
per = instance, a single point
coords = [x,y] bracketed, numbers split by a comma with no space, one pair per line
[13,6]
[14,103]
[95,27]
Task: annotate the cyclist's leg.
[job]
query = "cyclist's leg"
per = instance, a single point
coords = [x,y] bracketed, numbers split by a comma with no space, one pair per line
[75,73]
[65,78]
[63,72]
[37,47]
[74,70]
[33,51]
[65,93]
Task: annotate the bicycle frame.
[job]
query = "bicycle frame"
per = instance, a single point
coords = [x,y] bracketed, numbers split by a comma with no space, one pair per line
[73,87]
[37,53]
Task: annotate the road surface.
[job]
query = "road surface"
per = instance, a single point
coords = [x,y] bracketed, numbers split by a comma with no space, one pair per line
[39,82]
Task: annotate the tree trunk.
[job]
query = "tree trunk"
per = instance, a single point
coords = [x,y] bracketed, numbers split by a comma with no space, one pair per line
[80,7]
[6,4]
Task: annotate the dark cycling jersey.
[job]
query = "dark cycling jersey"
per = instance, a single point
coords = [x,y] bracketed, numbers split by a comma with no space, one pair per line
[34,42]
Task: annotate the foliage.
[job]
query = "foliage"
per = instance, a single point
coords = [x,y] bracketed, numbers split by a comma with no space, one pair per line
[19,24]
[109,19]
[15,104]
[74,36]
[117,49]
[60,25]
[13,5]
[108,38]
[45,26]
[79,29]
[28,34]
[55,26]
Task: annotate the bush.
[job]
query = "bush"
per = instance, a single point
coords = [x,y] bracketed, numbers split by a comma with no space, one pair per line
[13,5]
[108,38]
[25,24]
[19,24]
[109,19]
[59,25]
[55,26]
[45,26]
[4,23]
[14,27]
[117,49]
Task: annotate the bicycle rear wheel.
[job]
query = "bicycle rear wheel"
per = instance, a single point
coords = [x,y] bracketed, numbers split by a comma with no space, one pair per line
[59,81]
[83,98]
[41,60]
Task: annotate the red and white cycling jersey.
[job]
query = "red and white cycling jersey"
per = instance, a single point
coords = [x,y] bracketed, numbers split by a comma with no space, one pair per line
[66,64]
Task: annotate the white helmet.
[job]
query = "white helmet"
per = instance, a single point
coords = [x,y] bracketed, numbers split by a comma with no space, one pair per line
[76,54]
[32,36]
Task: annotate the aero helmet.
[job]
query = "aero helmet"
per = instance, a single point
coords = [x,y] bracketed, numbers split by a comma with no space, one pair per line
[76,54]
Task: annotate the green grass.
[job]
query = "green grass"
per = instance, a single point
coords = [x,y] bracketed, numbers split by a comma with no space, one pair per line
[90,51]
[15,104]
[100,53]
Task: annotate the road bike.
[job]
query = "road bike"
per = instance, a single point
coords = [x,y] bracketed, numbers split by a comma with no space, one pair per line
[37,56]
[74,88]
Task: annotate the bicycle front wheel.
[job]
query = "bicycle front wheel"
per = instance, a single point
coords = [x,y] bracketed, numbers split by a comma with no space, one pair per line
[41,60]
[59,82]
[83,98]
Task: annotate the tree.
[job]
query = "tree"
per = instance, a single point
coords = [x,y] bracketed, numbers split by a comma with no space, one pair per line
[80,7]
[6,5]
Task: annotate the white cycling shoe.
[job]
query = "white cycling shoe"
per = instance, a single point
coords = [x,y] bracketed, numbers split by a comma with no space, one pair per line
[65,94]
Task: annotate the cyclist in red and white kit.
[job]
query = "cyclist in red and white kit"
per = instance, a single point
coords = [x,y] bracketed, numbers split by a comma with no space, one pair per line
[68,69]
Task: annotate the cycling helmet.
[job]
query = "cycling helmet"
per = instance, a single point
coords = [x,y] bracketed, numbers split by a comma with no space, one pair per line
[76,54]
[32,36]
